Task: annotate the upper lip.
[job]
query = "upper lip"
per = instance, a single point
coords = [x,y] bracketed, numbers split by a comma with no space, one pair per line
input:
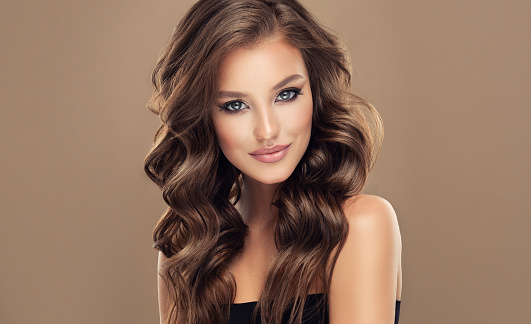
[269,150]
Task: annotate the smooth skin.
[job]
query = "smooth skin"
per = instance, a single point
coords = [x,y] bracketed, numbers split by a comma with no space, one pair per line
[258,106]
[269,85]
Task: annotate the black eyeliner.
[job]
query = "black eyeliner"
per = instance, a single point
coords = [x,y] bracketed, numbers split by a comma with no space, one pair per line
[226,105]
[297,91]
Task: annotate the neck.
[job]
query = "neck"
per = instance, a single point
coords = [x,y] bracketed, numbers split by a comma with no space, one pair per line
[255,203]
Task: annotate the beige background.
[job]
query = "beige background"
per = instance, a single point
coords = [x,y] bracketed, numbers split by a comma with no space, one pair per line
[450,78]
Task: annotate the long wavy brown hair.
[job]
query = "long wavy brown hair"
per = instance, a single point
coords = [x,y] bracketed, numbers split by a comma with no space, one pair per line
[202,230]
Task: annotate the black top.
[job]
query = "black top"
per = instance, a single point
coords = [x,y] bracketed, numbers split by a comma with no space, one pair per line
[314,312]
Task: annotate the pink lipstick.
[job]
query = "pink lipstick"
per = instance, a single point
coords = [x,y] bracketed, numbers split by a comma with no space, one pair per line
[271,154]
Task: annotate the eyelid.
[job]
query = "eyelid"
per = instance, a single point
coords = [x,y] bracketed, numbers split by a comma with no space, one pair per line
[298,92]
[294,89]
[225,105]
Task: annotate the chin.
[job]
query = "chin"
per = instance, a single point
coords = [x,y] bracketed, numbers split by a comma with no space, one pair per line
[274,180]
[269,178]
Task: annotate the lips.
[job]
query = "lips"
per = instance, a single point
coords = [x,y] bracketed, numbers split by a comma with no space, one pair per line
[270,154]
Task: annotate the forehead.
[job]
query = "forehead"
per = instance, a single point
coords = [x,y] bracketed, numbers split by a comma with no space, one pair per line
[262,64]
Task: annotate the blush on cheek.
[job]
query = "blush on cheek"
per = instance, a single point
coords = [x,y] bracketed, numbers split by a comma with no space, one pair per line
[306,117]
[230,134]
[225,140]
[301,120]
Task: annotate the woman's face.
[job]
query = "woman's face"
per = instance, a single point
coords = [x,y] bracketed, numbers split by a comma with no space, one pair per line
[263,112]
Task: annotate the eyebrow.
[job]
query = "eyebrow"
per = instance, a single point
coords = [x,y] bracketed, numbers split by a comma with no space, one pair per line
[276,87]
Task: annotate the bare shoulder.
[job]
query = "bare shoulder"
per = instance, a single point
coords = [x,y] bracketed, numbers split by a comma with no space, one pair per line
[364,283]
[372,222]
[369,210]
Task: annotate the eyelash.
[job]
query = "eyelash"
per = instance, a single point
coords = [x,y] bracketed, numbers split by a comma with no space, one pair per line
[225,106]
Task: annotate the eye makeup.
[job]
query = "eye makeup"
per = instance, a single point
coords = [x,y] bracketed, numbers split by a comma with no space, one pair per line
[233,106]
[284,96]
[292,94]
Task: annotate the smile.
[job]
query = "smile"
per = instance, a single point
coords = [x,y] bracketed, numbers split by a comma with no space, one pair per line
[271,155]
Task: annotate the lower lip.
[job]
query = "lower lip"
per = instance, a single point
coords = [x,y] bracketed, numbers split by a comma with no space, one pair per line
[271,157]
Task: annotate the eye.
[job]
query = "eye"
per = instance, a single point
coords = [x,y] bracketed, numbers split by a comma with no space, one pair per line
[233,106]
[288,94]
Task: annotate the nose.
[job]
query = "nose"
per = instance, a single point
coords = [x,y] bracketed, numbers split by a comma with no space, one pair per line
[266,124]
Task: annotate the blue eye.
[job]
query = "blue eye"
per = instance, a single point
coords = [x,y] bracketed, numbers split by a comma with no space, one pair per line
[288,94]
[233,106]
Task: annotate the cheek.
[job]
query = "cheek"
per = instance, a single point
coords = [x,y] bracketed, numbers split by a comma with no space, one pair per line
[305,119]
[228,133]
[300,120]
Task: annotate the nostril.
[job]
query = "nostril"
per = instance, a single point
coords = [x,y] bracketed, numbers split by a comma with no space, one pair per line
[266,127]
[266,133]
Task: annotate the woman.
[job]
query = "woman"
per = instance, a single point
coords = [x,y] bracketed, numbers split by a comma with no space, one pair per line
[261,157]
